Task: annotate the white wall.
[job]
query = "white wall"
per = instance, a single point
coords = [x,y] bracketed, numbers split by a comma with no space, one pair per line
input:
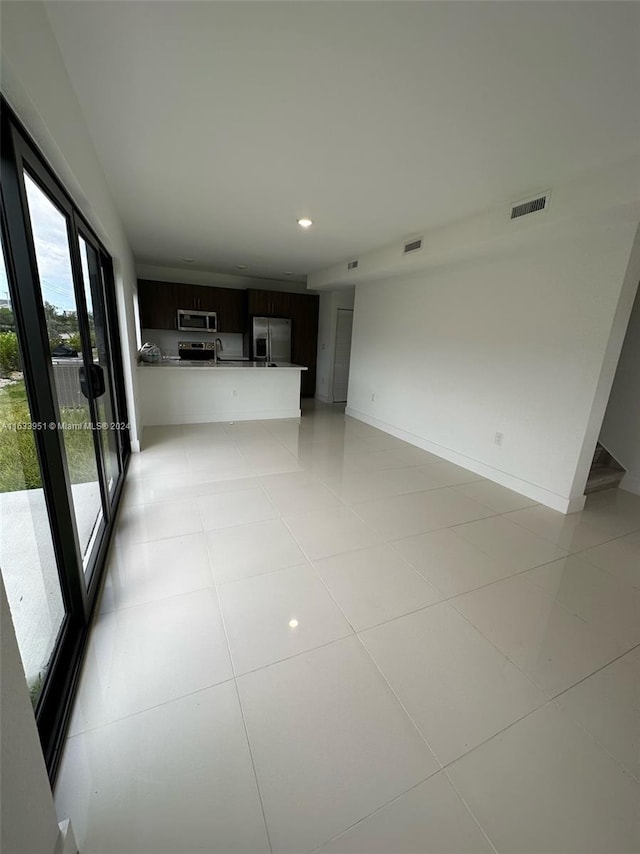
[515,343]
[330,302]
[621,427]
[36,84]
[28,823]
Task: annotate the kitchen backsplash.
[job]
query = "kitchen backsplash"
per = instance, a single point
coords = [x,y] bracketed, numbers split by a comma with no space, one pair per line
[167,340]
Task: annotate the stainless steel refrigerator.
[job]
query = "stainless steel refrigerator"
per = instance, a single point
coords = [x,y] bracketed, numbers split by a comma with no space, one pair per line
[271,339]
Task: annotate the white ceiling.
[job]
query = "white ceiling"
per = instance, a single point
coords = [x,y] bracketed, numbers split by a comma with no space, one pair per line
[220,123]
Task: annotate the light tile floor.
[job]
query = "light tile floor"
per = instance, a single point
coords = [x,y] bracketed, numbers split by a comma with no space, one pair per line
[316,638]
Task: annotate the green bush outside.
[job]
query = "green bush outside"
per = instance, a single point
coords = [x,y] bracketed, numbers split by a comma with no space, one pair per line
[7,322]
[9,358]
[74,341]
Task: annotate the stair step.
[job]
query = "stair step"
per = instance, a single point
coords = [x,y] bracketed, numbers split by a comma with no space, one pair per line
[603,477]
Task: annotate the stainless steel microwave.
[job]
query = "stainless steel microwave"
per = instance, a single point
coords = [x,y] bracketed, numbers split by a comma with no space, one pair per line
[197,321]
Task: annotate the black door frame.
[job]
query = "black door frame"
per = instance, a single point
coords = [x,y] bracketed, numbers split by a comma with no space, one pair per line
[18,152]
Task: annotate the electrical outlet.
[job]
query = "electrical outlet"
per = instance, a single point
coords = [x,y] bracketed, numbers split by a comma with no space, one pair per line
[321,380]
[498,438]
[373,397]
[235,392]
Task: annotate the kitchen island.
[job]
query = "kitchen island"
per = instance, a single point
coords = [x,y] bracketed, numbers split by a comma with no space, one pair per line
[186,392]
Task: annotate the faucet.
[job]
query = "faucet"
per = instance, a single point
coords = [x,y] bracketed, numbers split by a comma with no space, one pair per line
[219,346]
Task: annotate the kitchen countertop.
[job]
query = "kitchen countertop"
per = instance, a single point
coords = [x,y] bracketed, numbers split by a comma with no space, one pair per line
[183,364]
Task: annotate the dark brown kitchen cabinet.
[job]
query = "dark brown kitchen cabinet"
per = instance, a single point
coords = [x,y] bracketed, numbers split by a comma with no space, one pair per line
[189,297]
[269,303]
[231,306]
[304,339]
[159,303]
[228,303]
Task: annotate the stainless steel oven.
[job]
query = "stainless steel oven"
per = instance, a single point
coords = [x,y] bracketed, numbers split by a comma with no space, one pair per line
[197,350]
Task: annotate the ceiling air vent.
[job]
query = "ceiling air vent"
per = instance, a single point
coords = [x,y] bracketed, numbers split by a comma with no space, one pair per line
[352,265]
[540,203]
[412,246]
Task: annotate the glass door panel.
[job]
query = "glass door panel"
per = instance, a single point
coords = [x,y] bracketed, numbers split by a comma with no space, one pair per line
[27,557]
[69,362]
[98,333]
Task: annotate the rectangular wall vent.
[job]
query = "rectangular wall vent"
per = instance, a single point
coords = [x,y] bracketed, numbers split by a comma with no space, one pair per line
[530,206]
[412,246]
[352,265]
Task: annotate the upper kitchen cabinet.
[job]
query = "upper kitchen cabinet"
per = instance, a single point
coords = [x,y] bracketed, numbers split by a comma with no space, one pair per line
[269,303]
[159,303]
[230,305]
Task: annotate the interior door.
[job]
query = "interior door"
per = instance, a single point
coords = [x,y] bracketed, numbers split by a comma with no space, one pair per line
[344,328]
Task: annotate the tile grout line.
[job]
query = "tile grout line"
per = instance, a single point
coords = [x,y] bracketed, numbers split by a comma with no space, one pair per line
[557,545]
[340,833]
[356,635]
[242,715]
[380,674]
[549,703]
[134,714]
[555,602]
[470,811]
[597,670]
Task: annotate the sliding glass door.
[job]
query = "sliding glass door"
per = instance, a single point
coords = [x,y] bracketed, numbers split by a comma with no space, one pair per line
[63,438]
[71,356]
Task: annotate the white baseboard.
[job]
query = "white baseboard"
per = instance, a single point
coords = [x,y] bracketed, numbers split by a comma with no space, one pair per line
[66,843]
[225,417]
[531,490]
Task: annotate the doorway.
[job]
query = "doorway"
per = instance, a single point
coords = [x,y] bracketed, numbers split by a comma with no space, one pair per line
[342,357]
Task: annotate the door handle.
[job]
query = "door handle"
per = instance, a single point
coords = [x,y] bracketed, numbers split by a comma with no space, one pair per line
[93,385]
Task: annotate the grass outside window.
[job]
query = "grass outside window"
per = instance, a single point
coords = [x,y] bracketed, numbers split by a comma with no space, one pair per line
[19,467]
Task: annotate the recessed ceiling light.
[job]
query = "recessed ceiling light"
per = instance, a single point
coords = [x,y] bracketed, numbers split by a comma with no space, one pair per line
[288,273]
[305,223]
[188,260]
[241,267]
